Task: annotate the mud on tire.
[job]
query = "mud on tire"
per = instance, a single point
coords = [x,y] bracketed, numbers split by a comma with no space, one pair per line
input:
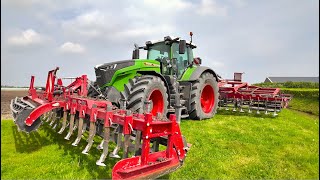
[202,104]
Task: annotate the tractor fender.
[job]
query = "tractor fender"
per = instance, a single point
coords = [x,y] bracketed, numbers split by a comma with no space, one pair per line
[200,70]
[162,78]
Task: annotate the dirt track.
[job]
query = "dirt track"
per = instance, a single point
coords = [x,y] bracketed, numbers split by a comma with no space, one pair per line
[6,96]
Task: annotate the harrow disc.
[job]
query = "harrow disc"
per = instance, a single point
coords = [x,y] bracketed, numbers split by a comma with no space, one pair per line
[20,121]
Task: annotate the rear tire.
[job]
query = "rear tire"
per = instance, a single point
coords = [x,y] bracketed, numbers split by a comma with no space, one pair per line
[204,97]
[143,88]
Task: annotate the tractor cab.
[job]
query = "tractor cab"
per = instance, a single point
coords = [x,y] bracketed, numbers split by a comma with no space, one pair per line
[174,55]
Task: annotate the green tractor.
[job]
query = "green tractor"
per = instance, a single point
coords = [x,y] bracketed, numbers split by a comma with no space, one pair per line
[170,78]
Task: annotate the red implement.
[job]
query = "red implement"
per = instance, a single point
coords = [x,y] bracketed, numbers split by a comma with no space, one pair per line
[99,116]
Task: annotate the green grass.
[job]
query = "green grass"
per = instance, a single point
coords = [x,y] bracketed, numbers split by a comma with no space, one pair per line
[308,105]
[242,147]
[305,100]
[228,146]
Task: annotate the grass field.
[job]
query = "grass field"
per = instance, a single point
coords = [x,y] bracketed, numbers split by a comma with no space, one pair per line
[226,147]
[305,100]
[308,105]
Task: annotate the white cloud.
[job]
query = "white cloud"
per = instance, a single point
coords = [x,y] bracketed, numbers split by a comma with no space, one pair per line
[210,7]
[239,3]
[27,37]
[246,40]
[146,30]
[167,5]
[90,24]
[70,47]
[216,64]
[100,25]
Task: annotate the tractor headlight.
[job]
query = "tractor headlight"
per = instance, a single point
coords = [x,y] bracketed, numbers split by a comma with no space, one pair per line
[112,66]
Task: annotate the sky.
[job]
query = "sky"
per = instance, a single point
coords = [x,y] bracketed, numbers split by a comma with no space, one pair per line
[260,38]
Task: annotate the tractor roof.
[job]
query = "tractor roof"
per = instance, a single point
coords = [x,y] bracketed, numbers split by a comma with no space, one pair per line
[169,38]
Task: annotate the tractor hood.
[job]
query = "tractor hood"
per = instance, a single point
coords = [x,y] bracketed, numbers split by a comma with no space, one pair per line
[105,72]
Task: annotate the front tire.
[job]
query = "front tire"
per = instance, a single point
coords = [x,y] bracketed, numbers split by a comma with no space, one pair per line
[144,88]
[204,97]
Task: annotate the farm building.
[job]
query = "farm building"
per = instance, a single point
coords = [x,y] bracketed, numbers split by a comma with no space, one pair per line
[292,79]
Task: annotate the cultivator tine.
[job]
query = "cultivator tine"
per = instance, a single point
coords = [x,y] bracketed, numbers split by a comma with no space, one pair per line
[64,122]
[258,109]
[274,114]
[114,153]
[55,126]
[266,106]
[235,104]
[155,146]
[76,124]
[137,143]
[226,104]
[126,146]
[250,104]
[92,132]
[241,103]
[54,118]
[100,146]
[44,117]
[57,122]
[80,132]
[71,128]
[105,144]
[84,127]
[127,139]
[49,116]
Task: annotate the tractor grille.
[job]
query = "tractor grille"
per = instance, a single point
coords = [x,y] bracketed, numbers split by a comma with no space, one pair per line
[104,77]
[105,72]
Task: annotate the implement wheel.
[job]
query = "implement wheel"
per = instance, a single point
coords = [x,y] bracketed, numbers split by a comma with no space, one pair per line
[146,88]
[204,97]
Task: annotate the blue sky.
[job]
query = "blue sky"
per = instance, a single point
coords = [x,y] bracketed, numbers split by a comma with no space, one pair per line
[261,38]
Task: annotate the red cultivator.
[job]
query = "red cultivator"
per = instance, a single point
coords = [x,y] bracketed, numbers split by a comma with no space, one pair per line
[240,95]
[139,135]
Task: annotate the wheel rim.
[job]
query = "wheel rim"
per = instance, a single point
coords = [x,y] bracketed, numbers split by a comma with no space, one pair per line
[157,101]
[207,99]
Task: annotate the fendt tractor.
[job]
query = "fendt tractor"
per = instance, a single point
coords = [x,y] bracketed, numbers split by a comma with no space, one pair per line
[138,103]
[169,77]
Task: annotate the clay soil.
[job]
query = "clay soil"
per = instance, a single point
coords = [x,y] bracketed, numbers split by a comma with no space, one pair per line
[6,96]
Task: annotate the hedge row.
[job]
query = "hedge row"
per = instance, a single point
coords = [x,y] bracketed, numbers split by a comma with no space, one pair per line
[289,84]
[302,93]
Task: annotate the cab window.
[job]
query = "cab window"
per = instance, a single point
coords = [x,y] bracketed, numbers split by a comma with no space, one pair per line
[159,51]
[182,59]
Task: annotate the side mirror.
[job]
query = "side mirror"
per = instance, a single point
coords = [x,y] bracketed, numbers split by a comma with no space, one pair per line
[197,61]
[135,54]
[182,46]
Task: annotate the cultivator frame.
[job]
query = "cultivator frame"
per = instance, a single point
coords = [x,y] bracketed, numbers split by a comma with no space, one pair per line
[240,95]
[139,131]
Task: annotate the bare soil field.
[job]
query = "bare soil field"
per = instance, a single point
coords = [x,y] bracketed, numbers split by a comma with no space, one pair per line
[6,96]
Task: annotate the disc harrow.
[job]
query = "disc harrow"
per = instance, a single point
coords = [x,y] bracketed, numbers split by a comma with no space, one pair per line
[239,96]
[151,146]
